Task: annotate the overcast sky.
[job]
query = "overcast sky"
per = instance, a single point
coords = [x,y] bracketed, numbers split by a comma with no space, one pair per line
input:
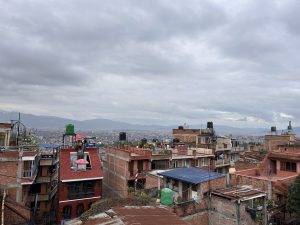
[153,62]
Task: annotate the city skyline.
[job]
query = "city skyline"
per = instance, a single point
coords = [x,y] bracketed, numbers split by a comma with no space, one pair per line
[164,62]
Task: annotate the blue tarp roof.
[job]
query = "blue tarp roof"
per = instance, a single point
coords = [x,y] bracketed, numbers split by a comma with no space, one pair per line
[49,145]
[191,175]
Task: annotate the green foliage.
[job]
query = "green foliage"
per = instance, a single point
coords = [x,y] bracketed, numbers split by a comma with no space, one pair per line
[130,190]
[293,200]
[270,203]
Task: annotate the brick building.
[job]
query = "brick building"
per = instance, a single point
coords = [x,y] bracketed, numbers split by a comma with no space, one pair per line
[235,205]
[80,180]
[276,138]
[226,151]
[19,157]
[122,167]
[44,189]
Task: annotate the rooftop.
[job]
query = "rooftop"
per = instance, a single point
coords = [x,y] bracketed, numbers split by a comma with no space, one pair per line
[243,193]
[192,175]
[144,215]
[69,174]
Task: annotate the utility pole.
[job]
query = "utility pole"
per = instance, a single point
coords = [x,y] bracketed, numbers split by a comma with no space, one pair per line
[3,201]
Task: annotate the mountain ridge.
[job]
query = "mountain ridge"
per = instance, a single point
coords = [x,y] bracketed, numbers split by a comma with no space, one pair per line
[53,122]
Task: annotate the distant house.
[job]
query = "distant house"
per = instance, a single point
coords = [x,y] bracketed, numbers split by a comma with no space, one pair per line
[192,183]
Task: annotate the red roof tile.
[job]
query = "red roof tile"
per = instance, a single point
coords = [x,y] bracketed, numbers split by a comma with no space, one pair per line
[66,173]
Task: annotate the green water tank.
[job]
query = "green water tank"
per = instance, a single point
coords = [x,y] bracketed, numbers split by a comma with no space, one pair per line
[69,129]
[166,196]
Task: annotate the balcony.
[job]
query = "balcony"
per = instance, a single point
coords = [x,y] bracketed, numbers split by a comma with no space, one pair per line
[43,180]
[223,149]
[222,162]
[46,162]
[41,197]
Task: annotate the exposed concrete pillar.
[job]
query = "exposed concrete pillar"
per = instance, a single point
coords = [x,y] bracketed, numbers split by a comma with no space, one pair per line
[180,188]
[265,221]
[158,183]
[269,189]
[238,214]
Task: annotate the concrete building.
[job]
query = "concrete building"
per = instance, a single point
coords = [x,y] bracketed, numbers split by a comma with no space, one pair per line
[45,187]
[80,180]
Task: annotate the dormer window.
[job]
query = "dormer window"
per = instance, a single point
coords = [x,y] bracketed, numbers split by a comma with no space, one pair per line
[80,161]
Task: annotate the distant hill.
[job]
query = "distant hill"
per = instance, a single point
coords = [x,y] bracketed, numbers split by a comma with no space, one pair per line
[51,122]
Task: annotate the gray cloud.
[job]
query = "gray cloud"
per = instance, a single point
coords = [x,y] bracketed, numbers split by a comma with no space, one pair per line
[152,61]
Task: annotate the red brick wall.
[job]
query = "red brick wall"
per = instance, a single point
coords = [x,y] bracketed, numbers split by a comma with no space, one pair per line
[214,184]
[63,196]
[152,181]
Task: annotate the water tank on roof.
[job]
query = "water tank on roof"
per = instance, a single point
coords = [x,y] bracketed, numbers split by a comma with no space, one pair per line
[180,127]
[166,196]
[69,129]
[273,129]
[122,136]
[210,125]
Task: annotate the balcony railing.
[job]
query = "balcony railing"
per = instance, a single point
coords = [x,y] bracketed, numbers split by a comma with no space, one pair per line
[43,179]
[222,162]
[53,192]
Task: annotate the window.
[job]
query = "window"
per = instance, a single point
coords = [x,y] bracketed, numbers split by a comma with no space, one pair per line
[79,209]
[204,161]
[175,185]
[78,190]
[197,162]
[67,211]
[186,163]
[140,165]
[194,187]
[175,164]
[28,168]
[288,166]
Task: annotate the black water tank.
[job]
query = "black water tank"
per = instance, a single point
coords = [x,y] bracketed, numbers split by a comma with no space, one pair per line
[273,129]
[180,127]
[122,136]
[144,141]
[210,125]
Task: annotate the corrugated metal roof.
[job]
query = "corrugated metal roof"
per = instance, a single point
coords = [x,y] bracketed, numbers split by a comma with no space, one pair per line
[192,175]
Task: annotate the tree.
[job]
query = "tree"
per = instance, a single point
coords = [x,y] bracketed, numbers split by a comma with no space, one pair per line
[293,200]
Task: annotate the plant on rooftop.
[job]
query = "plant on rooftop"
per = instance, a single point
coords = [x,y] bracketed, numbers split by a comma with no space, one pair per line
[293,200]
[106,204]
